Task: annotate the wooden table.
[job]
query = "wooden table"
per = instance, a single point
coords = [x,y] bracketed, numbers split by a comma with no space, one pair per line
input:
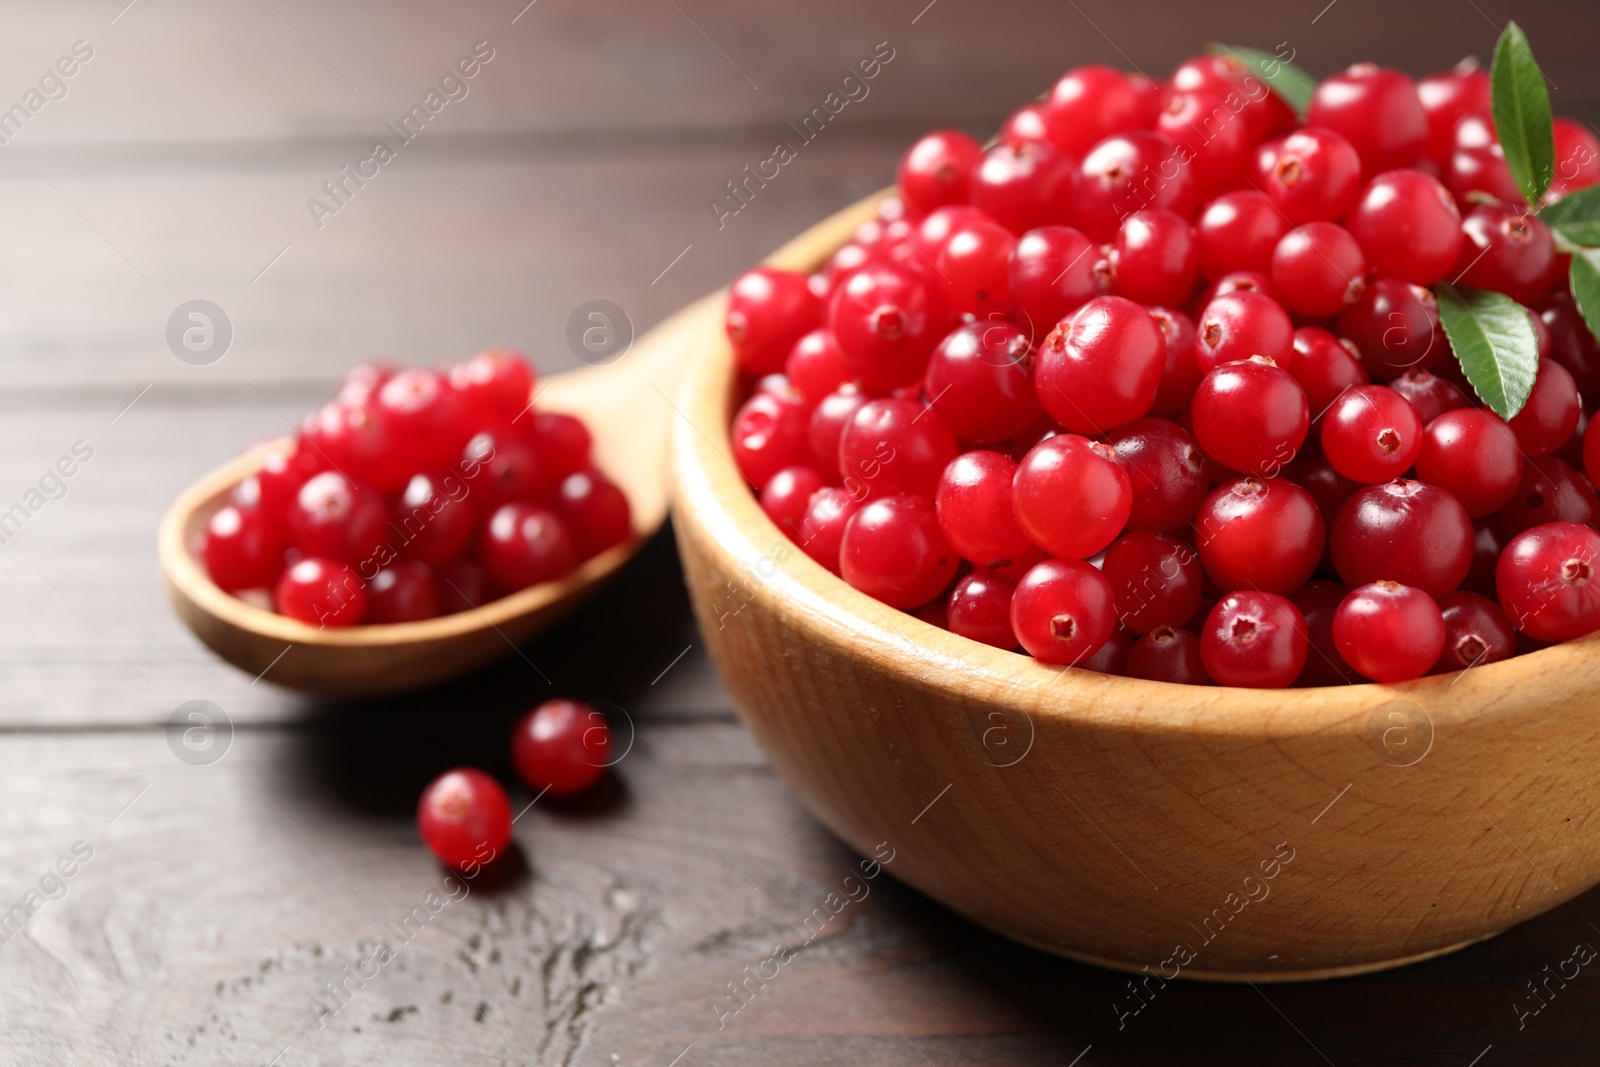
[229,907]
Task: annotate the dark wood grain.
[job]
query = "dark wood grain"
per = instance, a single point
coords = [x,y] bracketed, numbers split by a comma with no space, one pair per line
[220,898]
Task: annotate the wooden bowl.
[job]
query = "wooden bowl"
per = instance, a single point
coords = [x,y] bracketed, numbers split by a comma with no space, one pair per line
[1170,830]
[627,409]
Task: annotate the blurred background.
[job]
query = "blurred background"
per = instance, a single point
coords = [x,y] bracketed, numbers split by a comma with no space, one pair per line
[179,162]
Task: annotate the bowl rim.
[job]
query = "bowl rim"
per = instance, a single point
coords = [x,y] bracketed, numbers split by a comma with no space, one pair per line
[708,487]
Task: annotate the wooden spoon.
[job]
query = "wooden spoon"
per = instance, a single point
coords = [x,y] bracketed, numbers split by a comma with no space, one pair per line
[627,409]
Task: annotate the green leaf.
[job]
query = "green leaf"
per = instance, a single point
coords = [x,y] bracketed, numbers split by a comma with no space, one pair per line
[1494,341]
[1575,218]
[1291,83]
[1585,278]
[1522,113]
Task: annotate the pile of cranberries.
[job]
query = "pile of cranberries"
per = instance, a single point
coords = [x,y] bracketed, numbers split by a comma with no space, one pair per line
[1154,386]
[416,493]
[561,747]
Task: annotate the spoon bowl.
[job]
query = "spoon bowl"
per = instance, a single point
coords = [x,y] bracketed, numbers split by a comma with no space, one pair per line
[625,406]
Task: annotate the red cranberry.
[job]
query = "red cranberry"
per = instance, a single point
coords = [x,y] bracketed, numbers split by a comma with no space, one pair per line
[1071,496]
[562,442]
[1052,275]
[435,518]
[1157,258]
[1216,140]
[334,517]
[241,548]
[1166,654]
[1024,185]
[1330,489]
[1239,231]
[1317,269]
[1028,123]
[1318,602]
[1402,531]
[1577,157]
[979,608]
[1476,633]
[360,384]
[561,747]
[598,513]
[1472,454]
[1112,657]
[1090,103]
[927,239]
[893,446]
[1509,251]
[1428,394]
[827,423]
[1447,98]
[1102,367]
[1547,581]
[886,319]
[1181,372]
[1325,367]
[937,170]
[1238,325]
[1591,450]
[1551,414]
[1572,344]
[522,545]
[1550,491]
[1312,175]
[360,441]
[1478,171]
[428,418]
[768,311]
[814,367]
[769,433]
[975,265]
[1254,639]
[1062,611]
[1378,111]
[1155,580]
[1247,281]
[892,550]
[1389,632]
[404,591]
[1264,113]
[501,468]
[1165,470]
[1371,434]
[975,511]
[1251,416]
[1395,326]
[1408,226]
[1258,533]
[822,527]
[980,384]
[496,384]
[1488,542]
[321,592]
[1129,172]
[463,585]
[464,818]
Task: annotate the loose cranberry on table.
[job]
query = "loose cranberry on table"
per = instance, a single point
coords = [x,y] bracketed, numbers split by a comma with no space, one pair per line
[464,817]
[561,746]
